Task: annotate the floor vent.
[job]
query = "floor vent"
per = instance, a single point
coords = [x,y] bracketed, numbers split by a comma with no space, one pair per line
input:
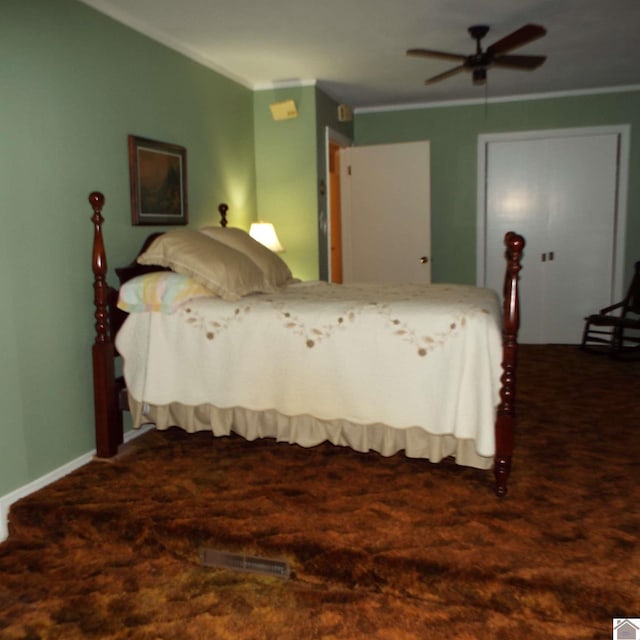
[241,562]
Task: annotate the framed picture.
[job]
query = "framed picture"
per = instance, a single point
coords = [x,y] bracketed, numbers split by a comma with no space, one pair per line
[158,180]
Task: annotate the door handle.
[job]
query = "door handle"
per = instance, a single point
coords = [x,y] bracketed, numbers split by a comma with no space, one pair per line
[424,260]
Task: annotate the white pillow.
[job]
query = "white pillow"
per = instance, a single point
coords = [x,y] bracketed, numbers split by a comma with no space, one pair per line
[275,269]
[223,270]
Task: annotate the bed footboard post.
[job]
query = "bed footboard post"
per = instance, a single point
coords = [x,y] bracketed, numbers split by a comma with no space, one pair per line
[505,419]
[108,421]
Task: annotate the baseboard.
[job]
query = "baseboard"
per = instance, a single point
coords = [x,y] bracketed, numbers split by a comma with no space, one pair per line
[39,483]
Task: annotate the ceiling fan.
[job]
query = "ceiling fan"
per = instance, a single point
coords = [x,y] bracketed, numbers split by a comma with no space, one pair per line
[493,56]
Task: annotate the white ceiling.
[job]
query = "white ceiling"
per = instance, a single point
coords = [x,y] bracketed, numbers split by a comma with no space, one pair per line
[355,49]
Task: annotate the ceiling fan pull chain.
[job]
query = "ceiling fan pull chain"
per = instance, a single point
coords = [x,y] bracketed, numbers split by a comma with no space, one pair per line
[486,99]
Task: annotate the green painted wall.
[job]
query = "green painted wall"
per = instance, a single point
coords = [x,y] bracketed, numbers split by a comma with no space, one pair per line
[74,85]
[453,132]
[291,171]
[286,175]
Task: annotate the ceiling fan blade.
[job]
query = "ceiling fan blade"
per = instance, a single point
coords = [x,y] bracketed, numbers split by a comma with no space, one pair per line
[446,74]
[526,63]
[518,38]
[430,53]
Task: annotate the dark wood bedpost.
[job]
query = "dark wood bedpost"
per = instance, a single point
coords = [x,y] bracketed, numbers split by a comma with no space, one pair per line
[505,420]
[108,425]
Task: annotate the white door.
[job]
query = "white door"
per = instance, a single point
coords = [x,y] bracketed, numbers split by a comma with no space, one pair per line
[561,193]
[386,213]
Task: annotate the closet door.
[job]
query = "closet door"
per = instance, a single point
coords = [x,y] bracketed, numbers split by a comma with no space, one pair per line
[560,193]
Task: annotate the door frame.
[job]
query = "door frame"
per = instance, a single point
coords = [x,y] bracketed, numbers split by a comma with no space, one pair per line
[331,136]
[624,133]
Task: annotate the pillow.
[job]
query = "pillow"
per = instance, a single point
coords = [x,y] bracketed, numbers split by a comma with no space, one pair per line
[163,291]
[274,268]
[221,269]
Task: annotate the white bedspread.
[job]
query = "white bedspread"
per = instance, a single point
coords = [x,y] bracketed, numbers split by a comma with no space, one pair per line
[404,356]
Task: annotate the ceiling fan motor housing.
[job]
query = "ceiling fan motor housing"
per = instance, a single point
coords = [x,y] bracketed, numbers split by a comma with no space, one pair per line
[480,75]
[481,60]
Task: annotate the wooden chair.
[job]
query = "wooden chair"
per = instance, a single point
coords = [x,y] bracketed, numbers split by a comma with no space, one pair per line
[615,330]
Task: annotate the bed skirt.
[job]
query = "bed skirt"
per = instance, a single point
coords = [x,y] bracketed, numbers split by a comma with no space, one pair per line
[308,431]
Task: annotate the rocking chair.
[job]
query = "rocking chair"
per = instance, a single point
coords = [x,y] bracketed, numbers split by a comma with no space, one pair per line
[615,330]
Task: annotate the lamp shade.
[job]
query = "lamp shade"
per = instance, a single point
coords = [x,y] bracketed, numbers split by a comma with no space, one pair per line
[265,233]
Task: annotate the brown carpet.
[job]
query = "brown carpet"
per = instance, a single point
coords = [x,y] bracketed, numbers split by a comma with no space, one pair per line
[387,548]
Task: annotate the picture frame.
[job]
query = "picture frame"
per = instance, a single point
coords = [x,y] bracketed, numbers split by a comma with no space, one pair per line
[158,182]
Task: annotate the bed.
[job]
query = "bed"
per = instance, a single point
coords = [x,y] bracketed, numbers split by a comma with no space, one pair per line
[216,334]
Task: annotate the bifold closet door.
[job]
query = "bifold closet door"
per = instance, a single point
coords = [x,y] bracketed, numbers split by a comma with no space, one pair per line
[560,193]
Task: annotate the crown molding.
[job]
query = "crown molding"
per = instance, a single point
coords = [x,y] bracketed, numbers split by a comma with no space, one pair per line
[498,100]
